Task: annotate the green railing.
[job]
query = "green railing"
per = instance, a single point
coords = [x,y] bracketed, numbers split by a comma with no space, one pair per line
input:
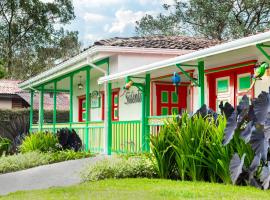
[126,136]
[92,136]
[156,123]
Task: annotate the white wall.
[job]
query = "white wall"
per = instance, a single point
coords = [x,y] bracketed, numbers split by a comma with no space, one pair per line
[130,61]
[5,104]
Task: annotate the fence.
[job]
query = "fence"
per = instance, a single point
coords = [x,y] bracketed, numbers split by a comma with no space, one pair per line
[92,135]
[126,135]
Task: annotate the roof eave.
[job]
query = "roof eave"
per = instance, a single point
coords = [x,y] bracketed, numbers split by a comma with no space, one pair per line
[218,49]
[93,50]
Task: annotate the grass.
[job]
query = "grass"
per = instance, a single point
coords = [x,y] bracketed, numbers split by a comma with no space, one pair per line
[143,189]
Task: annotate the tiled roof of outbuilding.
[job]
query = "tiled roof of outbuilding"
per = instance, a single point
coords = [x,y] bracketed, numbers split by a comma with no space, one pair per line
[10,87]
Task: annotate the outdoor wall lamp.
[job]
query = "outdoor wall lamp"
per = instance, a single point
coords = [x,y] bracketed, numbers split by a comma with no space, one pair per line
[80,85]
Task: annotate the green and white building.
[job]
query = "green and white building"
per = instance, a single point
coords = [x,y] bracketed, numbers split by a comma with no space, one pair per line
[111,119]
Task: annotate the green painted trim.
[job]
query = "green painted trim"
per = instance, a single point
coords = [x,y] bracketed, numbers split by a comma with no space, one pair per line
[126,122]
[187,75]
[147,111]
[71,100]
[102,62]
[54,105]
[160,117]
[260,47]
[57,91]
[87,99]
[41,111]
[31,110]
[201,82]
[109,114]
[83,68]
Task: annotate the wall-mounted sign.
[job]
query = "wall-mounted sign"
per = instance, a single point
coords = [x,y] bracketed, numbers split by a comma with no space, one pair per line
[95,99]
[133,97]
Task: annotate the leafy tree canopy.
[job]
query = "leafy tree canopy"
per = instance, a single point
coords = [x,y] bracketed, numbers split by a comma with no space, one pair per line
[213,19]
[29,39]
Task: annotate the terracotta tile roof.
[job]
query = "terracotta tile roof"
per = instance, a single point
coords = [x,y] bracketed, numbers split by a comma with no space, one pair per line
[62,101]
[10,87]
[163,42]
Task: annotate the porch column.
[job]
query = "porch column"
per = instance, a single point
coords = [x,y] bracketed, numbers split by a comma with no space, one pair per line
[201,82]
[71,101]
[145,115]
[41,108]
[108,114]
[87,107]
[108,118]
[31,111]
[54,105]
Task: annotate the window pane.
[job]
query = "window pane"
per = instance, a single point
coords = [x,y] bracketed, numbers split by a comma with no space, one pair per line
[223,85]
[115,99]
[164,111]
[244,82]
[174,97]
[84,116]
[164,96]
[175,111]
[83,104]
[115,113]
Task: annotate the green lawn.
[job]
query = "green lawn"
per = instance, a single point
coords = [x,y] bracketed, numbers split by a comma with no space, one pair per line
[143,189]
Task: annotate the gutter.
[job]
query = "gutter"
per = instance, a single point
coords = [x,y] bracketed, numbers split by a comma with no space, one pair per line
[194,56]
[45,76]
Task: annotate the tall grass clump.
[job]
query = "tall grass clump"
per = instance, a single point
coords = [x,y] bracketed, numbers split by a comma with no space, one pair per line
[193,146]
[40,141]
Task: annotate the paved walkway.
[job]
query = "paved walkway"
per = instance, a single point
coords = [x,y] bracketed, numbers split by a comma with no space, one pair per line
[58,174]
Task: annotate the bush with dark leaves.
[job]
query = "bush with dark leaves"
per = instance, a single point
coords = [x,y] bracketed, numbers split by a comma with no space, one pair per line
[69,139]
[253,123]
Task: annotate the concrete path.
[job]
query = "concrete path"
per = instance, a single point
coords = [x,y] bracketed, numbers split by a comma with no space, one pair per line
[58,174]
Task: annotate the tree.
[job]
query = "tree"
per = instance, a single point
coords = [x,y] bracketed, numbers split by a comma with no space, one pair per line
[213,19]
[28,30]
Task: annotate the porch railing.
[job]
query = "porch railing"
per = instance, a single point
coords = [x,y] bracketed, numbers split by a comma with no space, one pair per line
[156,123]
[126,135]
[92,136]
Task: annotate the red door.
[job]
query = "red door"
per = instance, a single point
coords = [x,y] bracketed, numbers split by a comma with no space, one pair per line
[229,86]
[168,102]
[115,104]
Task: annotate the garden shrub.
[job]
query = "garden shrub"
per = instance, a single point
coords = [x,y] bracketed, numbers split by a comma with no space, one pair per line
[32,159]
[69,139]
[40,141]
[119,167]
[193,146]
[5,146]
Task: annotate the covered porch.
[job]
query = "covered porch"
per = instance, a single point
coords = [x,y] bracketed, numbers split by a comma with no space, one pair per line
[112,118]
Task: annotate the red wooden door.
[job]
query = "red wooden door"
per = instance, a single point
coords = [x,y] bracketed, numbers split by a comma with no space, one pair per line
[229,86]
[168,102]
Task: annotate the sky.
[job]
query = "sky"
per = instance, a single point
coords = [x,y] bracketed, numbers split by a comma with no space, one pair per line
[101,19]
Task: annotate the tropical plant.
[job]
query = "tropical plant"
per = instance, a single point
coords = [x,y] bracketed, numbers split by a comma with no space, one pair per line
[5,145]
[69,139]
[253,123]
[190,148]
[40,141]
